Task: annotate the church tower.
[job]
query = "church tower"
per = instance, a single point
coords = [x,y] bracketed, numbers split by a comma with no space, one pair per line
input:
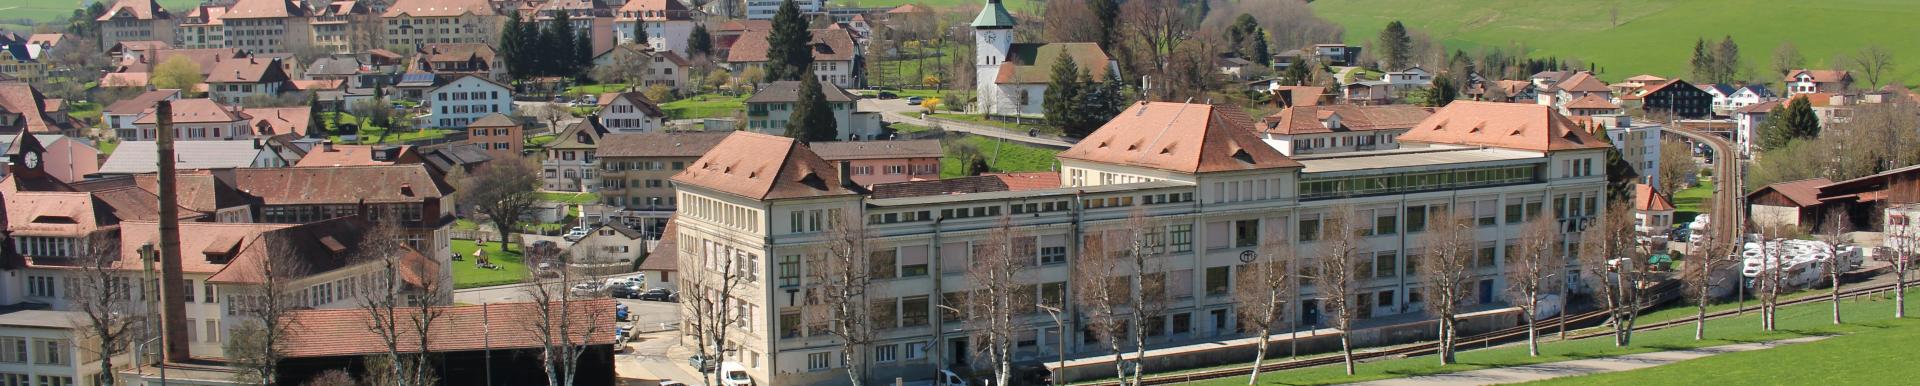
[992,42]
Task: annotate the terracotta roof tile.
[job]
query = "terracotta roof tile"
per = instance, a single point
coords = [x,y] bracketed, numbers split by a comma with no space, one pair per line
[1645,198]
[22,98]
[248,70]
[828,45]
[654,10]
[1592,101]
[665,255]
[763,167]
[264,9]
[1029,180]
[1583,82]
[1310,119]
[340,185]
[268,121]
[659,144]
[637,99]
[1181,137]
[1820,76]
[494,120]
[358,155]
[197,110]
[940,187]
[140,103]
[854,150]
[498,326]
[1521,126]
[135,9]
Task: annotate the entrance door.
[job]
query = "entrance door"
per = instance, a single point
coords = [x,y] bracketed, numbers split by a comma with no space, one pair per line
[1219,321]
[1363,306]
[957,352]
[1486,291]
[1310,312]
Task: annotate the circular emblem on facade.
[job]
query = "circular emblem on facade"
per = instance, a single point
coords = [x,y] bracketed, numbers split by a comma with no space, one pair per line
[1247,256]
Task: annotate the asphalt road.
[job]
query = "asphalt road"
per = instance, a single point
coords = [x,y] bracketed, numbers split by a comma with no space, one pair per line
[1727,191]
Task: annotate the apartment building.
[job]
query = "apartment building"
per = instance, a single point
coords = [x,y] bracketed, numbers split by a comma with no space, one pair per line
[346,27]
[197,119]
[1639,143]
[268,26]
[203,28]
[635,169]
[461,101]
[764,9]
[498,134]
[407,195]
[136,20]
[836,58]
[591,17]
[1209,191]
[410,23]
[664,23]
[768,111]
[235,80]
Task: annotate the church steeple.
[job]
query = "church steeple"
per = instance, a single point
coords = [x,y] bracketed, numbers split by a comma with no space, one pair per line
[993,16]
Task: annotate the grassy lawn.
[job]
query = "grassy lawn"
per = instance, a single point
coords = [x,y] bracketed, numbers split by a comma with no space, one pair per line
[466,275]
[705,106]
[908,128]
[1796,321]
[1001,156]
[1882,346]
[540,140]
[106,147]
[596,89]
[1652,36]
[369,136]
[569,198]
[84,110]
[1687,202]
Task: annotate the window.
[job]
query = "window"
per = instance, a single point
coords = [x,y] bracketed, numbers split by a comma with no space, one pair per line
[40,286]
[886,353]
[790,324]
[880,264]
[916,350]
[1180,237]
[1217,278]
[1246,233]
[1385,222]
[789,270]
[13,349]
[54,380]
[1384,299]
[1309,228]
[817,361]
[1514,214]
[14,379]
[1053,255]
[885,313]
[1383,264]
[1416,219]
[913,311]
[50,352]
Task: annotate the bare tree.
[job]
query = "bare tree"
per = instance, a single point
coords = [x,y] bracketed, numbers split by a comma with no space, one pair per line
[998,274]
[1100,289]
[1265,288]
[841,273]
[1150,29]
[550,112]
[1338,277]
[503,190]
[1835,234]
[103,297]
[1446,263]
[1676,166]
[562,334]
[1710,255]
[1873,62]
[1787,58]
[1532,270]
[1904,241]
[707,297]
[400,312]
[257,340]
[1607,258]
[1148,298]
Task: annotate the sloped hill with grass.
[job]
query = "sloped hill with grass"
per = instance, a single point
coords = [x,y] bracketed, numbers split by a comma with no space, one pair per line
[1652,36]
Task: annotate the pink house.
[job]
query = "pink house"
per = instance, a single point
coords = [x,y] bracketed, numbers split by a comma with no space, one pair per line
[879,162]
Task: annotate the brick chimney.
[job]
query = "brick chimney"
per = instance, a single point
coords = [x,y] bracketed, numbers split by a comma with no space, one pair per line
[173,311]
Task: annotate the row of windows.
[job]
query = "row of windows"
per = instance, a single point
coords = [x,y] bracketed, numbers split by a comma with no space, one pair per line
[14,349]
[1413,181]
[642,165]
[739,217]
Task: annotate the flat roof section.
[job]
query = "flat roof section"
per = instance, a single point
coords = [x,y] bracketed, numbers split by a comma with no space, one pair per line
[1404,158]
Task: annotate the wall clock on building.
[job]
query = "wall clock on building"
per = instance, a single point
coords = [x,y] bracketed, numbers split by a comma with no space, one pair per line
[32,160]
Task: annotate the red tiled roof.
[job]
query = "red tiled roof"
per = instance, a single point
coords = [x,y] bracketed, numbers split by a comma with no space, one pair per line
[1310,119]
[439,8]
[1759,108]
[1820,76]
[1181,137]
[654,10]
[1645,198]
[659,144]
[21,98]
[355,155]
[340,185]
[763,167]
[264,9]
[856,150]
[1592,101]
[637,99]
[828,45]
[281,120]
[1029,180]
[248,70]
[140,103]
[1522,126]
[665,255]
[197,110]
[1583,82]
[136,9]
[499,326]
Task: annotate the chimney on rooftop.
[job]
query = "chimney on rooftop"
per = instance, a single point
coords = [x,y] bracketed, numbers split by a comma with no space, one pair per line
[173,311]
[326,145]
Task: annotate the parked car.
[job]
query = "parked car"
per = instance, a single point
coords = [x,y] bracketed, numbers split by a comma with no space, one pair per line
[915,101]
[887,95]
[576,234]
[625,292]
[586,289]
[658,294]
[734,374]
[701,363]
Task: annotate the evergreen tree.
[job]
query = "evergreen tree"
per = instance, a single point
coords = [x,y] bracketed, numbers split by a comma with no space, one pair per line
[789,54]
[1107,11]
[1620,175]
[812,119]
[1786,123]
[1257,49]
[700,42]
[1395,46]
[531,39]
[1297,72]
[1242,29]
[512,48]
[1703,65]
[316,124]
[582,55]
[560,38]
[1726,61]
[1442,93]
[1062,98]
[1099,102]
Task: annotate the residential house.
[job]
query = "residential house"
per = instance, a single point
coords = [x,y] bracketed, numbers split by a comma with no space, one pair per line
[1572,87]
[635,168]
[1638,143]
[139,157]
[1652,212]
[1811,81]
[1674,99]
[662,67]
[19,61]
[1590,105]
[663,260]
[1336,54]
[666,24]
[346,27]
[1748,121]
[62,158]
[265,26]
[120,115]
[1369,92]
[571,164]
[609,243]
[412,23]
[203,28]
[764,9]
[836,59]
[769,110]
[23,109]
[465,99]
[1289,96]
[1303,130]
[233,81]
[453,59]
[1744,96]
[197,119]
[630,112]
[729,32]
[1412,78]
[297,122]
[500,135]
[765,202]
[444,158]
[346,69]
[1011,78]
[880,162]
[136,20]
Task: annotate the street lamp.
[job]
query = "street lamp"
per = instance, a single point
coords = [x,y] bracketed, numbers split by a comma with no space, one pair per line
[1061,348]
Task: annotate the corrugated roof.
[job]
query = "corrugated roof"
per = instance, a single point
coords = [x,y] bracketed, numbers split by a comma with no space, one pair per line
[133,157]
[1181,137]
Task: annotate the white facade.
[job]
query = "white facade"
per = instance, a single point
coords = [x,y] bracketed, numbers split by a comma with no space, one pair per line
[771,119]
[662,35]
[764,9]
[991,47]
[1640,146]
[622,116]
[461,101]
[1747,96]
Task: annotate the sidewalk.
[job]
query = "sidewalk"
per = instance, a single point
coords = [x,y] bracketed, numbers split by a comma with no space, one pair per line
[1530,373]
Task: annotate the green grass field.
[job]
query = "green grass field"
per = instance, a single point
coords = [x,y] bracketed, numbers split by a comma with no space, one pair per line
[466,275]
[569,198]
[1686,202]
[1864,316]
[705,106]
[1001,156]
[1874,356]
[1653,36]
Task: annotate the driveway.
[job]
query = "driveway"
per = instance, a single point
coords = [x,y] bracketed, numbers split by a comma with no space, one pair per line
[655,353]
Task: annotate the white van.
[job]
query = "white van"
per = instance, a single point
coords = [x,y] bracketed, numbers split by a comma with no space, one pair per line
[733,374]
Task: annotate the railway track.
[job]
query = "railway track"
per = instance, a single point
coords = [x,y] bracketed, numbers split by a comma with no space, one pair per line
[1501,336]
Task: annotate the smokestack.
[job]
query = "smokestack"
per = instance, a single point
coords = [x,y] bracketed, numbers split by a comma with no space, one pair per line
[173,313]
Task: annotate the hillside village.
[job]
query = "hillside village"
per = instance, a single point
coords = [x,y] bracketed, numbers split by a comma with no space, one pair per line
[951,193]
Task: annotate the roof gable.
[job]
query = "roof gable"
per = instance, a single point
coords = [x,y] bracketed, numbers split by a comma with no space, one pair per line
[763,167]
[1180,137]
[1519,126]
